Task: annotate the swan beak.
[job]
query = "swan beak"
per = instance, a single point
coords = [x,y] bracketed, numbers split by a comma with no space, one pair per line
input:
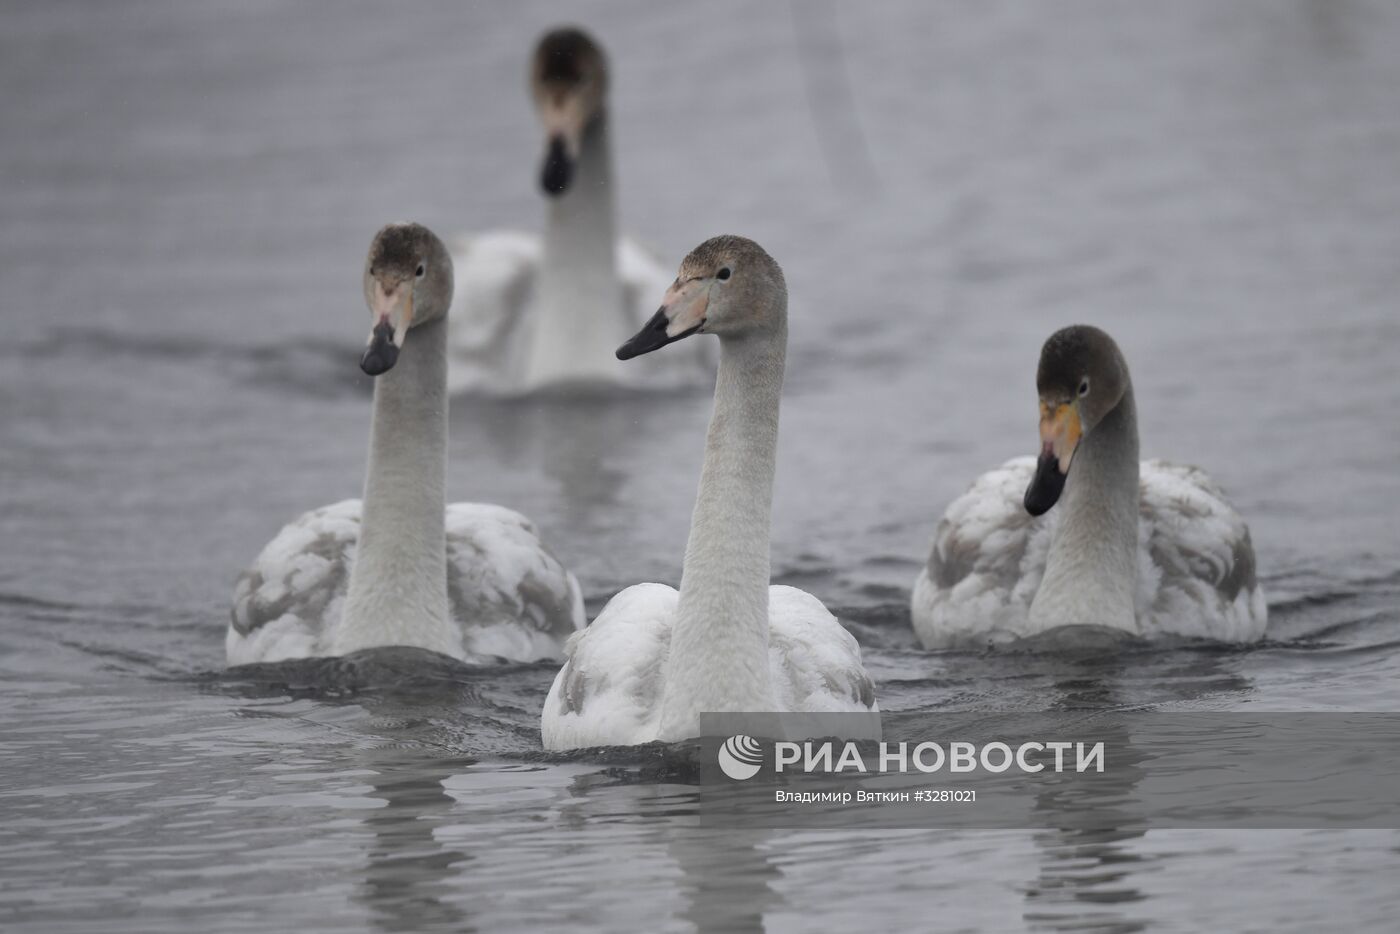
[1060,431]
[393,311]
[563,121]
[558,168]
[682,313]
[381,354]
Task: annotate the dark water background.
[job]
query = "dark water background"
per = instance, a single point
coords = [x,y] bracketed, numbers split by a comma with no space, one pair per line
[186,192]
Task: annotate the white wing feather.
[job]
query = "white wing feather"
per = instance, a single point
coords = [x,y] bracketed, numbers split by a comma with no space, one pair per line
[1196,569]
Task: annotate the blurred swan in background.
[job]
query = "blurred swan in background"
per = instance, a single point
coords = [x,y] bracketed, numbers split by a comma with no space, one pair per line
[546,312]
[654,659]
[1151,549]
[400,569]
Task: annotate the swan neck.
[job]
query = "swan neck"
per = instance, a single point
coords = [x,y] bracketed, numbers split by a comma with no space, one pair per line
[398,585]
[1091,571]
[581,320]
[718,659]
[587,206]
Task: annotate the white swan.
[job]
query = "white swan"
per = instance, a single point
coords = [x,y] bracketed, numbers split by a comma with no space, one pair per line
[536,313]
[400,570]
[655,659]
[1149,549]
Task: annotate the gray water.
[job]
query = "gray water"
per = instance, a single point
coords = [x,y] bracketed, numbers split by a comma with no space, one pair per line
[187,193]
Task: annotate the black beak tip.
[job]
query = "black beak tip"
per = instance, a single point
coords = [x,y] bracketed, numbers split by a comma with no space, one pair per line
[379,360]
[1036,504]
[651,337]
[558,169]
[1046,487]
[554,183]
[381,354]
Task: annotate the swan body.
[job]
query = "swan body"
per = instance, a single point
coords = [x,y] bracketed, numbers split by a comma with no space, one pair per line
[399,567]
[1194,562]
[508,596]
[610,692]
[543,313]
[497,318]
[727,641]
[1150,549]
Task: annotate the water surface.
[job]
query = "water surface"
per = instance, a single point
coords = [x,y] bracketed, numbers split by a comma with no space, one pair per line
[188,193]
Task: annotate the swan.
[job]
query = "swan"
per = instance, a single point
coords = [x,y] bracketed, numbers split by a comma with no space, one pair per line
[400,569]
[1151,549]
[537,313]
[655,659]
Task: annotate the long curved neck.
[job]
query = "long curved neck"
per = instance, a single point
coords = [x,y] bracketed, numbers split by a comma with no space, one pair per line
[580,320]
[1091,572]
[398,586]
[718,660]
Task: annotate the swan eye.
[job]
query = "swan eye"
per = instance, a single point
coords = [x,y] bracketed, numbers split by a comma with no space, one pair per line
[722,274]
[419,273]
[1084,386]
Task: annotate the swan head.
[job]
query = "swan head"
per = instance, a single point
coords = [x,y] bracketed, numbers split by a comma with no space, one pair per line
[568,80]
[728,286]
[1081,378]
[408,282]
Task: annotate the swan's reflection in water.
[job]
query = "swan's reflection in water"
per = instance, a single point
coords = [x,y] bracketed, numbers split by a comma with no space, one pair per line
[408,879]
[434,860]
[1086,882]
[1089,864]
[727,880]
[1088,872]
[591,447]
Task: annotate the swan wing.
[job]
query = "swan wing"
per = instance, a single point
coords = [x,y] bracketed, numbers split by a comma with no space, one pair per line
[1196,569]
[609,691]
[985,564]
[282,603]
[507,591]
[815,662]
[494,283]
